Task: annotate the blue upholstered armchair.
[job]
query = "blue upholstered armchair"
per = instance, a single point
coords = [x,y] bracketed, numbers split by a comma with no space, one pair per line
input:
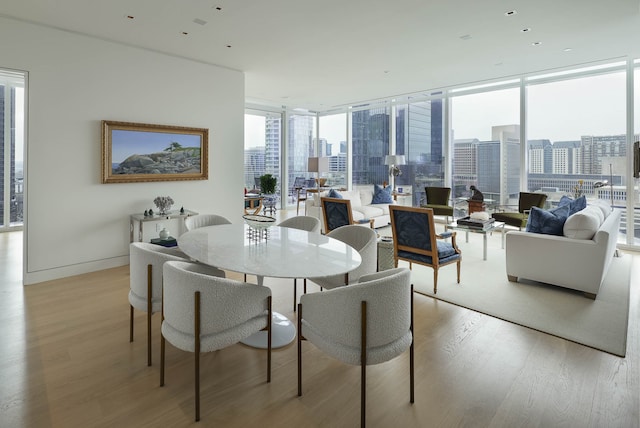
[416,241]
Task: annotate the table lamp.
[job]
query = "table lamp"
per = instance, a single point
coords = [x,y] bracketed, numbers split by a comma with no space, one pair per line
[318,165]
[393,161]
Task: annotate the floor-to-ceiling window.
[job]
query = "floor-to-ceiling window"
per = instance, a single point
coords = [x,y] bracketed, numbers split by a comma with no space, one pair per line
[370,145]
[577,135]
[419,137]
[262,143]
[11,149]
[485,129]
[333,139]
[301,145]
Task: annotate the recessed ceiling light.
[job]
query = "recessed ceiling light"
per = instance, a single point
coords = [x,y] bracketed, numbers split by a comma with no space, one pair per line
[218,8]
[525,30]
[466,37]
[387,71]
[199,21]
[228,46]
[567,49]
[511,13]
[497,64]
[184,33]
[130,17]
[536,43]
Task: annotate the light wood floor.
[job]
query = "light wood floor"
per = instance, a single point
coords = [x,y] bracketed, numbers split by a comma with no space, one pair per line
[66,361]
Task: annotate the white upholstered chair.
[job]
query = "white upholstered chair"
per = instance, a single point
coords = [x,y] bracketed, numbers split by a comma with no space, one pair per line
[145,282]
[363,324]
[362,239]
[204,313]
[202,220]
[302,222]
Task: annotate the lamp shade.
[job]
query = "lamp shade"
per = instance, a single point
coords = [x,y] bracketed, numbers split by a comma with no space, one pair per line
[318,164]
[394,160]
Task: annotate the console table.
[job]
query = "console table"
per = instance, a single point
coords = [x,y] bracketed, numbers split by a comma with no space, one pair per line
[140,220]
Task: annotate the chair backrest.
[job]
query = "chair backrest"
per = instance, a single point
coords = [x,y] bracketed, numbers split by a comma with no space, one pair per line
[141,255]
[202,220]
[335,317]
[438,195]
[336,213]
[365,241]
[225,304]
[302,222]
[529,200]
[413,230]
[299,182]
[310,183]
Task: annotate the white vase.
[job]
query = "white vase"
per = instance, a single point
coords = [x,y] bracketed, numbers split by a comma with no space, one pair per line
[164,233]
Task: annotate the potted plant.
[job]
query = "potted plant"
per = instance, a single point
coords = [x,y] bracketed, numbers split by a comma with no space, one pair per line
[268,184]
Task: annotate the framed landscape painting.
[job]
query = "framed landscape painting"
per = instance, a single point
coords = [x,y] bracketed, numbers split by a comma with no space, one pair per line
[135,152]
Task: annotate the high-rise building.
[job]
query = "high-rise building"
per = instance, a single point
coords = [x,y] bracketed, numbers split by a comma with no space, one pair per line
[566,157]
[540,156]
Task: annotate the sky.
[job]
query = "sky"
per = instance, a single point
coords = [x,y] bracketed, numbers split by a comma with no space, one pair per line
[126,143]
[559,111]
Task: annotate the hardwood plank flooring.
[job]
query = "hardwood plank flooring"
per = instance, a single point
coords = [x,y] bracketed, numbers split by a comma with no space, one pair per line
[66,361]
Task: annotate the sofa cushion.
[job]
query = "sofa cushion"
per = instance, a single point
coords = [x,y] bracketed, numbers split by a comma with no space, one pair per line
[368,211]
[334,194]
[549,222]
[382,195]
[583,224]
[353,196]
[366,194]
[575,205]
[604,206]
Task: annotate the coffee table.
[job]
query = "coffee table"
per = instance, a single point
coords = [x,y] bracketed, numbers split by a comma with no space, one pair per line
[489,229]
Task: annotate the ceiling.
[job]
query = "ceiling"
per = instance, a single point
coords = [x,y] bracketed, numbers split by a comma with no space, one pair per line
[327,53]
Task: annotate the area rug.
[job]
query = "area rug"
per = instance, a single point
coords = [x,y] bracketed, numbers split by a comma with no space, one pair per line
[600,323]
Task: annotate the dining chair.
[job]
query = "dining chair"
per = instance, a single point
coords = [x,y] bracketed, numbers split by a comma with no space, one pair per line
[438,198]
[202,220]
[308,223]
[365,241]
[415,240]
[526,201]
[145,282]
[299,192]
[205,313]
[356,324]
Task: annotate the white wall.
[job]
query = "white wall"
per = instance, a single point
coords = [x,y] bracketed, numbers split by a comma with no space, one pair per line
[75,224]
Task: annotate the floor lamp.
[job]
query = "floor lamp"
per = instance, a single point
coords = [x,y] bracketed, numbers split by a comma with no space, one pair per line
[394,161]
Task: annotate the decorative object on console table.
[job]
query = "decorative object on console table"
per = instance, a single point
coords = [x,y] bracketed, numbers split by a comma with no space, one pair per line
[394,171]
[163,203]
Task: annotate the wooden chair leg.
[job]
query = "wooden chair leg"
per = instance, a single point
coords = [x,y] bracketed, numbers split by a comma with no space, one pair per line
[197,352]
[269,336]
[363,364]
[458,267]
[299,338]
[130,323]
[435,280]
[149,311]
[411,356]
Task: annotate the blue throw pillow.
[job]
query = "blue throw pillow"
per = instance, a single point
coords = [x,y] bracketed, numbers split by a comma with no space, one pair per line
[382,195]
[575,205]
[547,222]
[333,194]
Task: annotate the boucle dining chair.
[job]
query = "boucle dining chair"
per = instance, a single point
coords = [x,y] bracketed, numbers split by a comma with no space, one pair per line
[202,220]
[363,324]
[145,282]
[415,240]
[301,222]
[205,313]
[365,241]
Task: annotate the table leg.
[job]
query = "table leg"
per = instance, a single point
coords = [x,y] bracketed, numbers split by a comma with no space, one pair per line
[283,331]
[484,246]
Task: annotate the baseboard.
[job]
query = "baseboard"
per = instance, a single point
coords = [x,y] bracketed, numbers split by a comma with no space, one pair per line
[76,269]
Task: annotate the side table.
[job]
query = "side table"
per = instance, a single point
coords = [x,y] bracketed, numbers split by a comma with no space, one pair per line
[385,255]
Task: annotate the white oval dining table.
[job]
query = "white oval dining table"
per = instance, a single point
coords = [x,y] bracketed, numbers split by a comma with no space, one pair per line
[284,253]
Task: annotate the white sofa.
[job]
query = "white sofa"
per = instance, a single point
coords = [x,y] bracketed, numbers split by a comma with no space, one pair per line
[575,260]
[361,206]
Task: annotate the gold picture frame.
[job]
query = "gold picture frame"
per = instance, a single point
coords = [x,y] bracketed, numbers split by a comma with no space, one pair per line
[140,152]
